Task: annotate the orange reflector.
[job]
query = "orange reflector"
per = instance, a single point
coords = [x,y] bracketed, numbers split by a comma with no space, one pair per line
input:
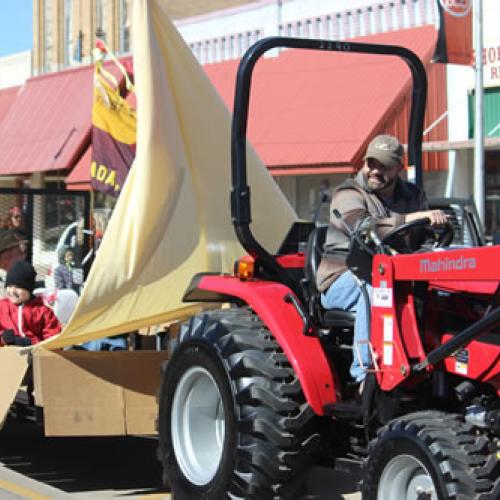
[244,268]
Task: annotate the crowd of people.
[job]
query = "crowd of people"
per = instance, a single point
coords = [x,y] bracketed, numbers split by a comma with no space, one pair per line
[25,317]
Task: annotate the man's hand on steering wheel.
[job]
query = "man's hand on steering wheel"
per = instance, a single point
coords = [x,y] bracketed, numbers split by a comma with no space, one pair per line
[435,222]
[437,218]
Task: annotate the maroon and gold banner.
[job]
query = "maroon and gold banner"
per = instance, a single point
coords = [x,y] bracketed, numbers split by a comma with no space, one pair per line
[454,45]
[113,136]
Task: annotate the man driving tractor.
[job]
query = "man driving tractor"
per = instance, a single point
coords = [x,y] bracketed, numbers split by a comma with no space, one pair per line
[379,193]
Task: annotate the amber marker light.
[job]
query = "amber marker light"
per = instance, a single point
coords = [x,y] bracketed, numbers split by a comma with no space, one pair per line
[244,268]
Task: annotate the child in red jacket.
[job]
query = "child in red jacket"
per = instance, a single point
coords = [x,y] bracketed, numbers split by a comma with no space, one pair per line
[24,319]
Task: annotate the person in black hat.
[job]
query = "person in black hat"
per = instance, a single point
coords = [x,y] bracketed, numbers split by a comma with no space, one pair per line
[24,319]
[12,248]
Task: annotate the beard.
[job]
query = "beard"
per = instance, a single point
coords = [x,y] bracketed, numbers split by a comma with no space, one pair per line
[380,182]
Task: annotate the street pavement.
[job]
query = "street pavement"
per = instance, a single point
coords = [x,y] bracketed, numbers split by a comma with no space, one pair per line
[38,468]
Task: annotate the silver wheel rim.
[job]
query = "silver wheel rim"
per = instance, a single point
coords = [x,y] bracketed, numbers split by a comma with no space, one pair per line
[198,425]
[406,478]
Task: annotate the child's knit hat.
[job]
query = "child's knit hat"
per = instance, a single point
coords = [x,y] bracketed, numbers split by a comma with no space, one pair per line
[21,274]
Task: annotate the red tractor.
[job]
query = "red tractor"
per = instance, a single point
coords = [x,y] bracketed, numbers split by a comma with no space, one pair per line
[255,392]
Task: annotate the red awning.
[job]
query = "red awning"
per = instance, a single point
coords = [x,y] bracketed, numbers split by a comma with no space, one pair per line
[313,113]
[322,108]
[79,178]
[7,97]
[48,125]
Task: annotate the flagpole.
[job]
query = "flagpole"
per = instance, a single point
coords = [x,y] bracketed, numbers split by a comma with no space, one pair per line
[479,184]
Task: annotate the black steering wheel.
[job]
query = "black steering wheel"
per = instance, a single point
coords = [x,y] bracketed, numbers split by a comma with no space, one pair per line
[441,236]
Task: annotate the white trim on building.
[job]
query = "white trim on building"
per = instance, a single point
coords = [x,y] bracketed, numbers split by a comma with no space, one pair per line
[227,34]
[15,69]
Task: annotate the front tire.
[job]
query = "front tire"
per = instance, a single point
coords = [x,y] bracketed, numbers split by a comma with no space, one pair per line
[426,456]
[233,421]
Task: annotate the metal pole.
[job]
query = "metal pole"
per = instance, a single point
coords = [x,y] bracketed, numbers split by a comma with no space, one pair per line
[279,12]
[450,180]
[479,184]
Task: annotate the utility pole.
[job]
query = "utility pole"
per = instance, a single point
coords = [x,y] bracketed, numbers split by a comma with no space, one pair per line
[479,184]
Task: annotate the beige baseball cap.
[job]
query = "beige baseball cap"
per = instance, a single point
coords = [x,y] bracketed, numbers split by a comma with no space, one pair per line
[386,149]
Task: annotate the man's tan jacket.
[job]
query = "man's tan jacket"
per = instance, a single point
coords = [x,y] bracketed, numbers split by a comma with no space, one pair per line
[354,200]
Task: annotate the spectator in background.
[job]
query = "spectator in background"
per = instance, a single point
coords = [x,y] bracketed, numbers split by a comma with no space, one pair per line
[12,248]
[78,244]
[15,223]
[24,319]
[15,220]
[100,224]
[66,276]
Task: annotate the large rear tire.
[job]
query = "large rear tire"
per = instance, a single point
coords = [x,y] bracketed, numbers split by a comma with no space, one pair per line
[427,456]
[233,421]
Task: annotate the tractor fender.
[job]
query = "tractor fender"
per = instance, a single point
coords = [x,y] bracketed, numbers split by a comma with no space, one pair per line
[271,303]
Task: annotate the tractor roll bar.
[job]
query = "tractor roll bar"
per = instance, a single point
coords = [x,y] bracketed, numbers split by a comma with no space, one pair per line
[240,193]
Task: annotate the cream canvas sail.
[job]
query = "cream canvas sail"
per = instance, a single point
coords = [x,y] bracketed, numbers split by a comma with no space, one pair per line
[13,366]
[172,219]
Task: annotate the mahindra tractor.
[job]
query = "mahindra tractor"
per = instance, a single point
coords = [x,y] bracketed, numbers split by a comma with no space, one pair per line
[258,390]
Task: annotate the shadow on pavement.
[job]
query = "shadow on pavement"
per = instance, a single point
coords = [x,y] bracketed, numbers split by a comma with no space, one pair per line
[126,466]
[81,464]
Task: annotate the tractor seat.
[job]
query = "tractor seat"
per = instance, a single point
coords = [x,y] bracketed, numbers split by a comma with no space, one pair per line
[327,318]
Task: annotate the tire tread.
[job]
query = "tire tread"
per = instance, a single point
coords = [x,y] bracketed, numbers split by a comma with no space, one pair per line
[275,423]
[459,453]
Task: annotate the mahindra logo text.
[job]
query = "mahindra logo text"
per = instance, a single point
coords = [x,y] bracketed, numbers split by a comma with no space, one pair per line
[447,264]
